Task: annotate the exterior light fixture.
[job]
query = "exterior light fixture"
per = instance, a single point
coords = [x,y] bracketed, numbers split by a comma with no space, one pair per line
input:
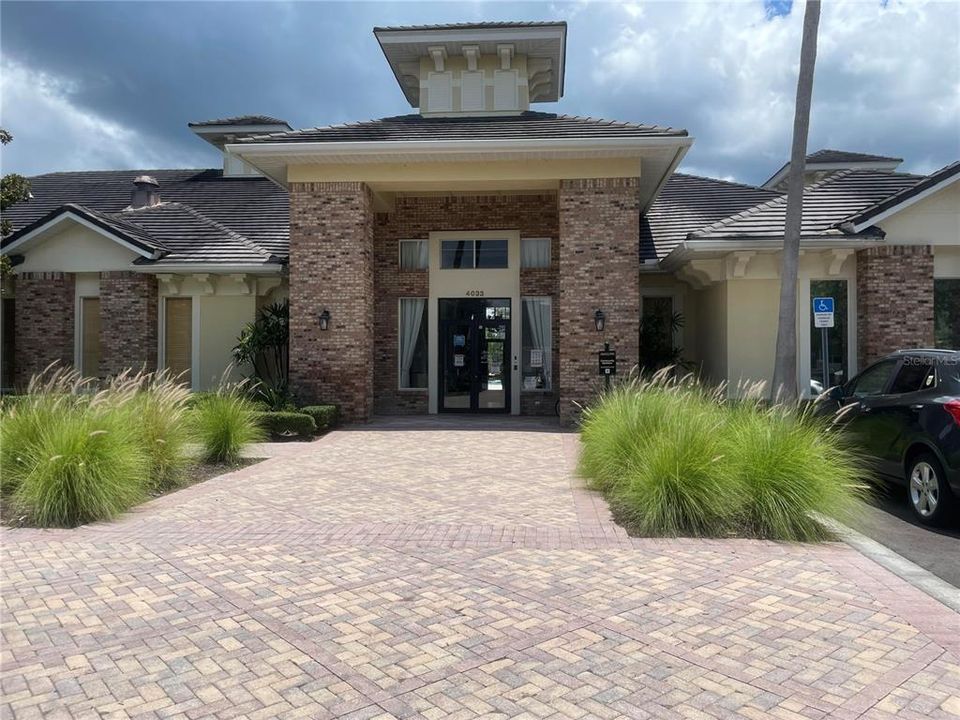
[600,320]
[325,320]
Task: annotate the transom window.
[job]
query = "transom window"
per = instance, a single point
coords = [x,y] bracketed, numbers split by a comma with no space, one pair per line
[473,254]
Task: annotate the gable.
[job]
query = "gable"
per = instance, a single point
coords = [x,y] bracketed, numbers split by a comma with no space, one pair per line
[934,220]
[72,247]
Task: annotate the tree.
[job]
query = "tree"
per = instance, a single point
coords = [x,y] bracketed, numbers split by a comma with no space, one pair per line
[785,367]
[13,189]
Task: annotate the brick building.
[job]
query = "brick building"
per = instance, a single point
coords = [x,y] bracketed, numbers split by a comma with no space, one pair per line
[473,256]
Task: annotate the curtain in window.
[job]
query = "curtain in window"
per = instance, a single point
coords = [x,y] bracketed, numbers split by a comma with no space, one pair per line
[413,255]
[535,252]
[537,330]
[411,315]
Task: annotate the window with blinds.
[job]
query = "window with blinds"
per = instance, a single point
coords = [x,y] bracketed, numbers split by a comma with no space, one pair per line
[178,336]
[90,336]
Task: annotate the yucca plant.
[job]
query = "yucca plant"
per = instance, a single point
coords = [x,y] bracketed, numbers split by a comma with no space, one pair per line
[225,422]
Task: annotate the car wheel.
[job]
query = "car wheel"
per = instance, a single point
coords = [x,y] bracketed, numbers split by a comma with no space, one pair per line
[927,489]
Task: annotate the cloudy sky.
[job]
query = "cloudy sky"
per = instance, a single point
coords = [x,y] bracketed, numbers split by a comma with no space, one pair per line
[93,85]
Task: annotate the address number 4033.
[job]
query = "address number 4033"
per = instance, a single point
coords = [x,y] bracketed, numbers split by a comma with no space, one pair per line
[474,293]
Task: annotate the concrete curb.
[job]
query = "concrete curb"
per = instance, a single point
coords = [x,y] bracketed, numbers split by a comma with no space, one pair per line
[907,570]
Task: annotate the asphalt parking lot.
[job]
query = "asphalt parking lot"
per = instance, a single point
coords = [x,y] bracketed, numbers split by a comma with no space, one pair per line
[889,521]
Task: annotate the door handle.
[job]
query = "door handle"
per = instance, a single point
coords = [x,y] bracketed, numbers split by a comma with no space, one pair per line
[917,407]
[865,408]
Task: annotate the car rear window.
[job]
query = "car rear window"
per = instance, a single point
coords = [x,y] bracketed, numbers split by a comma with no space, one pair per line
[950,375]
[916,373]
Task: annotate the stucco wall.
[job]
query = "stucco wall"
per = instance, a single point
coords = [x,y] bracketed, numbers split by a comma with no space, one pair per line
[707,325]
[76,249]
[221,319]
[753,308]
[935,220]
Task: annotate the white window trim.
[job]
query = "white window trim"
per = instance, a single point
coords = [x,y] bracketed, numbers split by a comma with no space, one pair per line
[400,243]
[426,308]
[538,267]
[549,299]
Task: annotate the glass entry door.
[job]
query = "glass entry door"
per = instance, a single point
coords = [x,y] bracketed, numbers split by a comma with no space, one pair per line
[474,355]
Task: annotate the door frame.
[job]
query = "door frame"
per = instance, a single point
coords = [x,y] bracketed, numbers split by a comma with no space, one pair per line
[477,325]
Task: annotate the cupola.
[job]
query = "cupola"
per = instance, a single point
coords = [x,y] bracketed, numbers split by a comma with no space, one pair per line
[476,69]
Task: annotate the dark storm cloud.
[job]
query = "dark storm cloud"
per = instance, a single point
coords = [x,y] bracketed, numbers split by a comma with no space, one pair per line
[89,85]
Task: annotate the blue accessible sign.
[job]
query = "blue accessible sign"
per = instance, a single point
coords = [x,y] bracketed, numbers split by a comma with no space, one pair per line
[823,312]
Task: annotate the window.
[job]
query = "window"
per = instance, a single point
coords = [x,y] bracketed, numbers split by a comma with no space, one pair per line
[535,252]
[413,255]
[873,380]
[916,373]
[537,344]
[178,337]
[837,337]
[469,254]
[658,326]
[90,336]
[413,343]
[946,313]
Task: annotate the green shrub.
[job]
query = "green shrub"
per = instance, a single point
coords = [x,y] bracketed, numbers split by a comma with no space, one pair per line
[82,463]
[673,458]
[325,416]
[159,411]
[285,424]
[224,423]
[790,465]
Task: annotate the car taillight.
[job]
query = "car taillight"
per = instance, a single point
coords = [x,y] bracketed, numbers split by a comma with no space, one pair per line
[953,407]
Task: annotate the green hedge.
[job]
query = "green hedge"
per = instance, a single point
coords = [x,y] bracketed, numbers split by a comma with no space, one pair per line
[287,423]
[325,416]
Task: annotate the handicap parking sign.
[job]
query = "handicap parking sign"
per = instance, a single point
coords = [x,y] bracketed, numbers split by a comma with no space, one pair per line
[823,312]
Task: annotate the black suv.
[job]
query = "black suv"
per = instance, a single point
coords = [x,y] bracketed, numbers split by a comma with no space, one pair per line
[904,410]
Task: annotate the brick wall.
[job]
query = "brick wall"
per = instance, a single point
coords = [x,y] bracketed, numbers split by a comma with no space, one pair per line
[415,218]
[46,306]
[599,269]
[894,300]
[128,322]
[331,268]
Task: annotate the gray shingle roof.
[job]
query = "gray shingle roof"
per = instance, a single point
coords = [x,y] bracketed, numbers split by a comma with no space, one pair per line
[252,208]
[471,26]
[527,125]
[688,203]
[843,156]
[240,120]
[825,204]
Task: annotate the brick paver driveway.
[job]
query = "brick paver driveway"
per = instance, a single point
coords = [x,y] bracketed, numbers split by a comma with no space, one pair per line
[438,570]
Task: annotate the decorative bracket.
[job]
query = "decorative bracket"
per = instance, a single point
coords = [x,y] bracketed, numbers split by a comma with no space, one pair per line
[171,283]
[268,283]
[836,258]
[741,260]
[439,54]
[472,54]
[206,284]
[505,52]
[244,281]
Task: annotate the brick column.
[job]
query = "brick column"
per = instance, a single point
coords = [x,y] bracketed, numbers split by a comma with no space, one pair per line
[894,300]
[331,268]
[45,308]
[128,322]
[599,270]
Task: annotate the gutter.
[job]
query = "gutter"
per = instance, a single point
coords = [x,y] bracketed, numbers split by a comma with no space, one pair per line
[266,269]
[688,249]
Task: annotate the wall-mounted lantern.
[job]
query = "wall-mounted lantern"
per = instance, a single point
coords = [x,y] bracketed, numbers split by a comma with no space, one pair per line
[600,320]
[325,320]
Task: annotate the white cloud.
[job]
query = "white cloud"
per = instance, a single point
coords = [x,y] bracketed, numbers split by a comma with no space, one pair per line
[51,131]
[888,76]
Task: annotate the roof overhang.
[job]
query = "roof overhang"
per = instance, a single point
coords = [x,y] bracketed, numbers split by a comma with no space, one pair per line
[660,155]
[403,48]
[708,248]
[879,213]
[53,223]
[217,268]
[221,135]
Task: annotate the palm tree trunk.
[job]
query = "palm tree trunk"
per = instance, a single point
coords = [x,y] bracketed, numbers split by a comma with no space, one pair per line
[785,368]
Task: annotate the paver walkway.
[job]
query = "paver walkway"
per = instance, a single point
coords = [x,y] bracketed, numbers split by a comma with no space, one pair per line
[438,570]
